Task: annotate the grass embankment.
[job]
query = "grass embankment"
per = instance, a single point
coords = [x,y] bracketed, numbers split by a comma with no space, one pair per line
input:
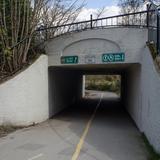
[110,83]
[153,155]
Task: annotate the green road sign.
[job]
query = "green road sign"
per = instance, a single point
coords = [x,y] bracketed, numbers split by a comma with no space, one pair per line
[113,57]
[69,59]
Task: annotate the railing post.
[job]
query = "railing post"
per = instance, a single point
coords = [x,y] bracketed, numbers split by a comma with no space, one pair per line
[91,18]
[158,35]
[148,6]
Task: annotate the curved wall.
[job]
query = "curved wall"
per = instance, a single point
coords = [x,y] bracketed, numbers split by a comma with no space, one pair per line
[24,98]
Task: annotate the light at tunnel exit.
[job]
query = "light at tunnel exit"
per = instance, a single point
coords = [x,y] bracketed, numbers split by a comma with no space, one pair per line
[94,85]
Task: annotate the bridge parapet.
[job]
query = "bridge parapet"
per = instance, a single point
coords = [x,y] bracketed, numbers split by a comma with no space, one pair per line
[90,45]
[137,20]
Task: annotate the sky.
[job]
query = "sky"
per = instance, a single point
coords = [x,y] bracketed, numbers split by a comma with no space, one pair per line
[92,7]
[100,3]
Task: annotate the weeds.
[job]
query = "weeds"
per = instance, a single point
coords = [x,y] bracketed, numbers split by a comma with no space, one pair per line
[109,83]
[4,130]
[153,155]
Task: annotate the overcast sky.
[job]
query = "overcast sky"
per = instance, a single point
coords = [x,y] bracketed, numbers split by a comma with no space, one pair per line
[100,3]
[92,6]
[111,8]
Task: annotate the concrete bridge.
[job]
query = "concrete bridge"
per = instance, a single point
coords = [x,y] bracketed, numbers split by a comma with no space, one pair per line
[108,49]
[90,47]
[112,45]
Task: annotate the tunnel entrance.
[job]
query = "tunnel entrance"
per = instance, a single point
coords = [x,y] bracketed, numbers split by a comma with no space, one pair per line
[69,84]
[111,128]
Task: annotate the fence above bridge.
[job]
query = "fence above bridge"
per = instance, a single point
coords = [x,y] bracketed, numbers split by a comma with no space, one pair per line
[145,19]
[149,19]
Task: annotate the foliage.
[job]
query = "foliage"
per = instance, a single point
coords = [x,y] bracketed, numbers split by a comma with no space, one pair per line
[153,155]
[110,83]
[15,25]
[18,21]
[153,50]
[57,13]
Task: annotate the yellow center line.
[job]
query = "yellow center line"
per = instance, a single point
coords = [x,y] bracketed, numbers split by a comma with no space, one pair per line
[36,157]
[81,141]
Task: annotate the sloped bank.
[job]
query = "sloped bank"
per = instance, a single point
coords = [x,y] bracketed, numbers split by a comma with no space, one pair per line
[24,98]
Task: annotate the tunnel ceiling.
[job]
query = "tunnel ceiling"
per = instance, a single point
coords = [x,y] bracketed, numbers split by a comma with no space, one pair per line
[98,68]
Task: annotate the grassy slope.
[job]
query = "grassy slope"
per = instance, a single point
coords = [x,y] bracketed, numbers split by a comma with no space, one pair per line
[110,83]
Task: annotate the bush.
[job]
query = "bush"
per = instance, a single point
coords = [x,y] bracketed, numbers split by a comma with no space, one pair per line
[103,83]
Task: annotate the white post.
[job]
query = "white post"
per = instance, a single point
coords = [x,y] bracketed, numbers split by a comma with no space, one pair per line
[83,86]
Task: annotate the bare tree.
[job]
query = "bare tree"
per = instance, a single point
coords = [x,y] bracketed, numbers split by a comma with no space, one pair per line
[60,12]
[64,12]
[131,6]
[18,21]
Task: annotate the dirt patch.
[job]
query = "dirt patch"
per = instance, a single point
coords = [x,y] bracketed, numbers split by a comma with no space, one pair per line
[4,130]
[158,61]
[157,64]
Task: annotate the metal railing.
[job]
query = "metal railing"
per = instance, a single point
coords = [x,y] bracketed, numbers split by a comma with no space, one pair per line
[139,20]
[144,19]
[154,26]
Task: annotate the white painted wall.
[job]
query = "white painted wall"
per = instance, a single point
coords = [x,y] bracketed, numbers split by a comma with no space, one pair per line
[143,98]
[96,42]
[150,86]
[24,98]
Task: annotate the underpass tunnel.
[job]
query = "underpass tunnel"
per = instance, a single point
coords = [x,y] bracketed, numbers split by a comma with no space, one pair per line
[111,120]
[66,85]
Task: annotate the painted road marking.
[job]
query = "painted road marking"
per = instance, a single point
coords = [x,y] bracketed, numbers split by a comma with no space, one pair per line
[35,157]
[81,142]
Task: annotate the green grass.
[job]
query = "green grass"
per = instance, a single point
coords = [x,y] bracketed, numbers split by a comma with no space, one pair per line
[153,155]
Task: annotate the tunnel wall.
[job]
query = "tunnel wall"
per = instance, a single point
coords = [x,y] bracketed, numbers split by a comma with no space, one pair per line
[150,86]
[65,88]
[133,91]
[143,98]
